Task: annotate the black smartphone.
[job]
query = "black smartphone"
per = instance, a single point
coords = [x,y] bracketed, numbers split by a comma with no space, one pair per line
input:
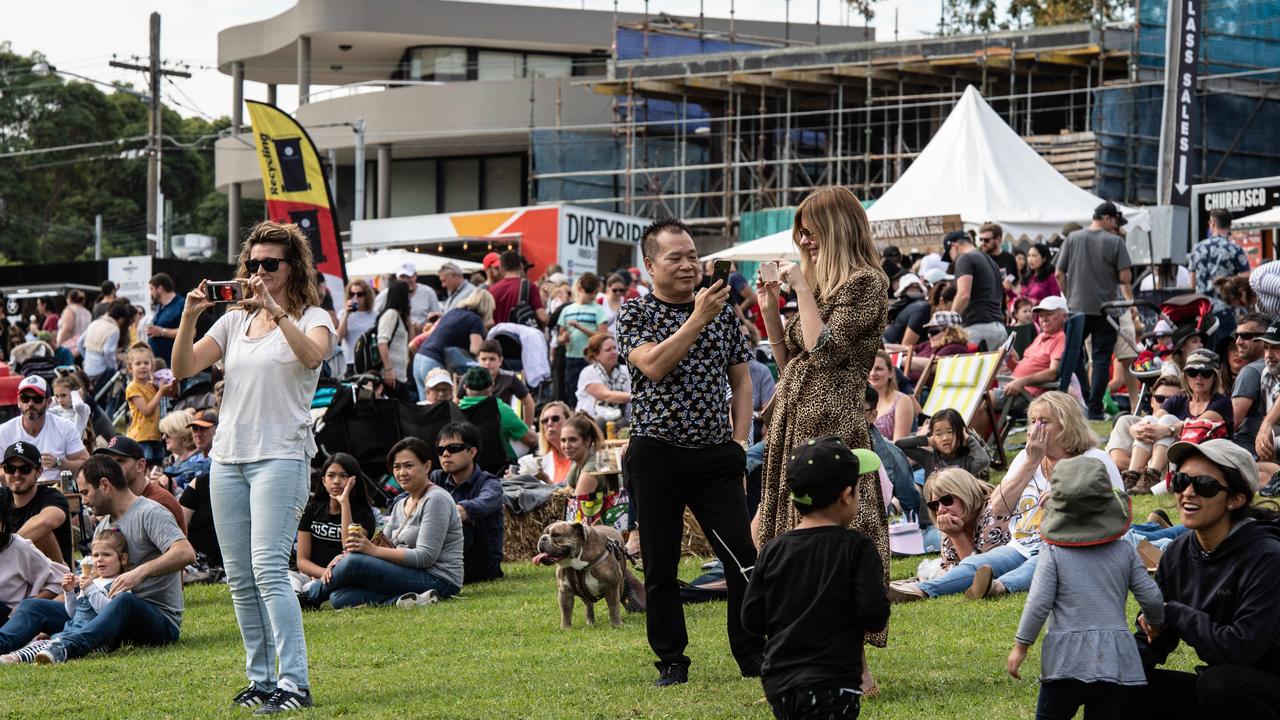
[224,292]
[720,271]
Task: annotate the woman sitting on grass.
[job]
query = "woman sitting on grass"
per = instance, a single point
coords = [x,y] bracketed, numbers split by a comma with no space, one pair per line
[960,505]
[1057,430]
[338,502]
[419,557]
[947,443]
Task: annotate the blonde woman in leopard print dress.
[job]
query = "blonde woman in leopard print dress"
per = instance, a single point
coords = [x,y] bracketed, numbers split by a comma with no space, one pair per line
[824,354]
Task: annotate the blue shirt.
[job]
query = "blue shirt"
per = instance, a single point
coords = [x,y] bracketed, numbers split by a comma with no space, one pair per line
[1212,258]
[167,316]
[481,497]
[454,329]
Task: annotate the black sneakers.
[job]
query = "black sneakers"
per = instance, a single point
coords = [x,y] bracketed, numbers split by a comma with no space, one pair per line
[286,697]
[250,697]
[671,674]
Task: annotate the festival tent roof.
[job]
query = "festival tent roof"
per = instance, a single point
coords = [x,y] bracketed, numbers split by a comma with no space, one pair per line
[1264,219]
[388,262]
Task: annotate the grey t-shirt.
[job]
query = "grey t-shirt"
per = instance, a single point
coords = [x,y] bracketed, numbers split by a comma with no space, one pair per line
[1249,384]
[431,536]
[1092,261]
[150,530]
[986,296]
[266,405]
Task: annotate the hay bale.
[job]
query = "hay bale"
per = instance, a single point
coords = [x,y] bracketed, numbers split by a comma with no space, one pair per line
[694,541]
[520,543]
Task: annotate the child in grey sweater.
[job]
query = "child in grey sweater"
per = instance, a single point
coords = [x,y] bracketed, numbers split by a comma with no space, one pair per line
[1083,579]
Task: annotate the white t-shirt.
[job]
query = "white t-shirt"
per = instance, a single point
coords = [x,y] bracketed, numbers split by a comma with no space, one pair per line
[358,323]
[1025,526]
[266,404]
[58,437]
[593,373]
[393,332]
[422,301]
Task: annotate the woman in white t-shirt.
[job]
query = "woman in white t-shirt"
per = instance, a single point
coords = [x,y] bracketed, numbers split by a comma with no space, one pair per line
[604,386]
[272,345]
[1056,430]
[356,319]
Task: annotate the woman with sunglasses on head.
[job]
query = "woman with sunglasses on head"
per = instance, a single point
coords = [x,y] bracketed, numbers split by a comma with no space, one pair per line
[1057,430]
[355,319]
[1222,595]
[555,464]
[272,344]
[945,335]
[1201,399]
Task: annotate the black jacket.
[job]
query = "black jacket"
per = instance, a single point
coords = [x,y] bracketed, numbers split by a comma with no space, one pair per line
[1224,604]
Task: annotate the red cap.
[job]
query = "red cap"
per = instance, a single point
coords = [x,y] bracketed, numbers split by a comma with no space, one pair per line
[491,260]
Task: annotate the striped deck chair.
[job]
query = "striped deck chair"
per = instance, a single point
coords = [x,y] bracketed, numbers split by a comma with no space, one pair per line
[963,383]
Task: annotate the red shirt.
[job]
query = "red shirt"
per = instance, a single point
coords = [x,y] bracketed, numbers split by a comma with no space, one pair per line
[506,293]
[1039,356]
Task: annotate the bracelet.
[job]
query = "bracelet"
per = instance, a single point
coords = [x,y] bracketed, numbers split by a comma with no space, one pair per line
[777,342]
[276,318]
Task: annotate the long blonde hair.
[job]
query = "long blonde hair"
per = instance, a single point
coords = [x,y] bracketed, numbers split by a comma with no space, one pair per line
[481,303]
[835,215]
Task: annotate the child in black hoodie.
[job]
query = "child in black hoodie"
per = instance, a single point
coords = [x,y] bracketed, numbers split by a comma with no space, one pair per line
[1222,595]
[815,590]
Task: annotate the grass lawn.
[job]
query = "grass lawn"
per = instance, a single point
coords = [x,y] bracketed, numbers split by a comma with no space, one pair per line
[499,653]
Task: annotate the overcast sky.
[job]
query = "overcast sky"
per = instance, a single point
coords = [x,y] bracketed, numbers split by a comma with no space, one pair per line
[82,35]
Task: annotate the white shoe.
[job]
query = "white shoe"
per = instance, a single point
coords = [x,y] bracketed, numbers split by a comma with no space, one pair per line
[409,600]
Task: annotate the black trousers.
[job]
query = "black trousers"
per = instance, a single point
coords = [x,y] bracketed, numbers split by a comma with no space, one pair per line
[1218,692]
[817,704]
[665,479]
[1103,344]
[1060,699]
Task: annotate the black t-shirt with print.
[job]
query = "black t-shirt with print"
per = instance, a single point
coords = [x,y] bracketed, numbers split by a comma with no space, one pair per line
[690,406]
[507,386]
[327,531]
[45,497]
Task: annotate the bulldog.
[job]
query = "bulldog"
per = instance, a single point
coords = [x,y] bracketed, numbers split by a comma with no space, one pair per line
[590,563]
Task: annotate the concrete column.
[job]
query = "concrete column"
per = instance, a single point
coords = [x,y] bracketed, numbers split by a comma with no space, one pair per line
[384,181]
[233,192]
[271,93]
[304,70]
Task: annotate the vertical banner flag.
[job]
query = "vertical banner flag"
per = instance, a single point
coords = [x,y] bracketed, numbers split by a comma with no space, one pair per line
[297,189]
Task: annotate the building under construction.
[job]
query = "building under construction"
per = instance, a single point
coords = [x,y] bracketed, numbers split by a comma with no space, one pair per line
[717,134]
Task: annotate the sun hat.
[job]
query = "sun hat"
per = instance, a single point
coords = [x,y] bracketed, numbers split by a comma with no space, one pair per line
[439,376]
[1083,508]
[477,378]
[945,318]
[1183,334]
[818,470]
[1051,303]
[1228,456]
[906,281]
[1202,359]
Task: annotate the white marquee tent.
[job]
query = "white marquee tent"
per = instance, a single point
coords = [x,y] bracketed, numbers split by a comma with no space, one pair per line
[388,262]
[976,167]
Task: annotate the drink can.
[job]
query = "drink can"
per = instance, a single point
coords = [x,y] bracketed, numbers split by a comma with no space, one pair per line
[355,529]
[68,482]
[611,430]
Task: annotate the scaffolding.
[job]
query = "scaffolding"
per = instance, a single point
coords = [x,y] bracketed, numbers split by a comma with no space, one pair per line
[711,137]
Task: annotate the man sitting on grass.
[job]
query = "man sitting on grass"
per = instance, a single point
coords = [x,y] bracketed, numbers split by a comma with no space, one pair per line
[146,601]
[479,498]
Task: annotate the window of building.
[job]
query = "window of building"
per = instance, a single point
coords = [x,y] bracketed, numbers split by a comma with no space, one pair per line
[445,64]
[493,65]
[452,64]
[549,66]
[460,178]
[413,187]
[504,183]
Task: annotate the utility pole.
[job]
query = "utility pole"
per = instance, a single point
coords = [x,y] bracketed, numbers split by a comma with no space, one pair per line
[154,129]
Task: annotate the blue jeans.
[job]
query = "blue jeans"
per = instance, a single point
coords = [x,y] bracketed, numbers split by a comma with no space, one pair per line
[32,617]
[365,580]
[256,508]
[1007,564]
[126,618]
[422,365]
[755,457]
[1153,532]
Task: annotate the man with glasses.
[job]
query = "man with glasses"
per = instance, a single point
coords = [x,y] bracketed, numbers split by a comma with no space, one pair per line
[991,237]
[1221,593]
[168,314]
[39,513]
[478,495]
[57,440]
[1249,401]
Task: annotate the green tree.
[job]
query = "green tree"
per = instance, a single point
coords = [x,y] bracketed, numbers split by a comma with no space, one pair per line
[977,16]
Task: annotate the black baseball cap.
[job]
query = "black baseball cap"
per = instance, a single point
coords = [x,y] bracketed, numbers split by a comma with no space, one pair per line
[1272,335]
[25,450]
[818,470]
[122,446]
[1109,209]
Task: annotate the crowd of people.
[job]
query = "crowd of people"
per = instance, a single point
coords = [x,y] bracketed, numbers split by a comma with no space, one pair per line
[809,382]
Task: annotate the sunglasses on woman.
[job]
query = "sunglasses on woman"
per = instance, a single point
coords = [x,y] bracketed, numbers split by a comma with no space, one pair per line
[1205,486]
[945,500]
[451,448]
[355,293]
[933,331]
[269,264]
[553,419]
[1199,373]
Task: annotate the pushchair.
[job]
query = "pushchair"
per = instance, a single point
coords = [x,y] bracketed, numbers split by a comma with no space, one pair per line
[1188,310]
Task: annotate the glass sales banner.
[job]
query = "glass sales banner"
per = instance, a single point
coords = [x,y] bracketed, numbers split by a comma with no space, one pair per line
[297,189]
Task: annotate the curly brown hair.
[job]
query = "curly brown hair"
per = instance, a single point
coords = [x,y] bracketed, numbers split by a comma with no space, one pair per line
[301,291]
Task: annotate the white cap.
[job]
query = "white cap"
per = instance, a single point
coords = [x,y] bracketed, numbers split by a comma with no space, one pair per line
[1051,304]
[935,275]
[34,382]
[907,281]
[438,376]
[1163,327]
[932,260]
[407,270]
[558,278]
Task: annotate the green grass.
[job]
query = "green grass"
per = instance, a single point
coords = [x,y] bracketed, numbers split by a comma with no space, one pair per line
[499,653]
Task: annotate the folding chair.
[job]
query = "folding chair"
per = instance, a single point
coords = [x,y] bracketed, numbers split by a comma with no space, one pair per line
[1071,355]
[963,383]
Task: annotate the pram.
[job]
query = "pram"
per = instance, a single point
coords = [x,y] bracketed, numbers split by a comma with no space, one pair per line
[1180,311]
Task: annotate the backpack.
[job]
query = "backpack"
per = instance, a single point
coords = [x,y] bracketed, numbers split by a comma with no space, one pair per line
[523,313]
[367,359]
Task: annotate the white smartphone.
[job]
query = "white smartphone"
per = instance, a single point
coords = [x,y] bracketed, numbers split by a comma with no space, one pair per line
[769,271]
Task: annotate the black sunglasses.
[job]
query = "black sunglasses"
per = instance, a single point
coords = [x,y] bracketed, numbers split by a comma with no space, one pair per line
[355,293]
[1204,485]
[451,448]
[1162,398]
[553,418]
[1198,372]
[26,398]
[1248,336]
[18,469]
[933,331]
[269,264]
[946,500]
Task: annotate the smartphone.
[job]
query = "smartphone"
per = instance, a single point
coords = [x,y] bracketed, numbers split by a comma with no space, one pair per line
[769,272]
[224,292]
[720,271]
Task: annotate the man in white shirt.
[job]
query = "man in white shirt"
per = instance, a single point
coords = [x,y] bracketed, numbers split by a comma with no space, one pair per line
[422,299]
[59,443]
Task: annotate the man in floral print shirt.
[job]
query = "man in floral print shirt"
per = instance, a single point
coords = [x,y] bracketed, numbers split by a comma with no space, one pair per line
[1217,257]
